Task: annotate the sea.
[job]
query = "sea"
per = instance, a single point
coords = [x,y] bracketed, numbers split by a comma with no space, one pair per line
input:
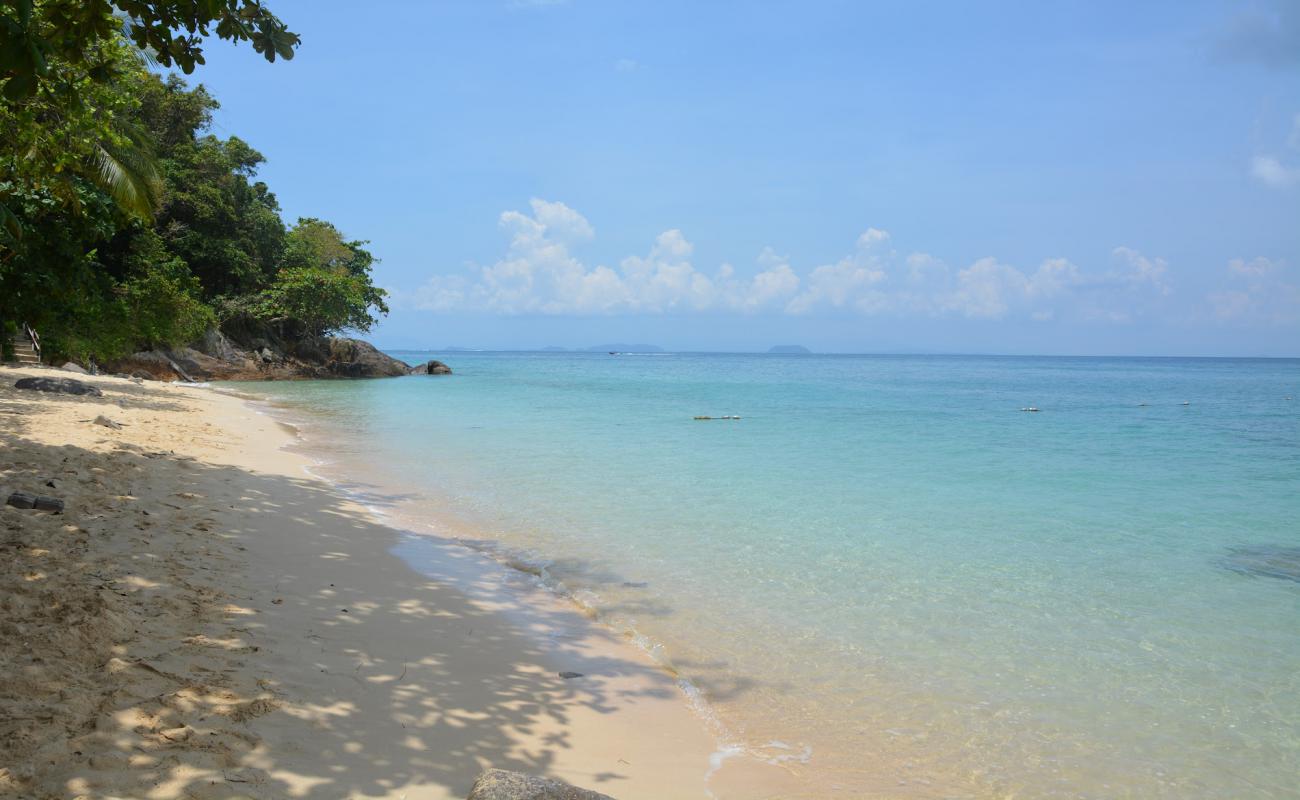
[897,576]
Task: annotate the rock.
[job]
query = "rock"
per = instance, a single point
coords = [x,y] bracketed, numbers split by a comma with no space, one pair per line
[215,344]
[498,784]
[108,423]
[58,385]
[353,358]
[431,368]
[53,504]
[21,500]
[1265,561]
[74,367]
[150,364]
[266,355]
[39,502]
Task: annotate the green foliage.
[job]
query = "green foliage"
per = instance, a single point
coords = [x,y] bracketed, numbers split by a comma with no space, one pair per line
[324,284]
[78,127]
[223,223]
[100,278]
[34,34]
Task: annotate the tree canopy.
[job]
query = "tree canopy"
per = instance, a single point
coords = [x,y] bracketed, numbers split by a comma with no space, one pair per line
[36,34]
[129,224]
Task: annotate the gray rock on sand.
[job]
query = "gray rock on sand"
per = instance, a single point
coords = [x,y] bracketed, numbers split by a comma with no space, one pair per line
[21,500]
[498,784]
[59,385]
[72,366]
[433,367]
[107,423]
[27,500]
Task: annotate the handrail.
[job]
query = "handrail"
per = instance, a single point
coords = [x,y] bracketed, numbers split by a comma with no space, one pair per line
[35,339]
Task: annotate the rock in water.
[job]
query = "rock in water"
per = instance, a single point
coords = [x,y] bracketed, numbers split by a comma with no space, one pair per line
[59,385]
[498,784]
[353,358]
[1268,561]
[431,368]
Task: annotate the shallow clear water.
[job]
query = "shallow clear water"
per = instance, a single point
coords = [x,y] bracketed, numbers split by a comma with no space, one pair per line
[887,574]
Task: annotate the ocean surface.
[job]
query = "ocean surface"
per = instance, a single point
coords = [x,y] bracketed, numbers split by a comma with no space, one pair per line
[885,574]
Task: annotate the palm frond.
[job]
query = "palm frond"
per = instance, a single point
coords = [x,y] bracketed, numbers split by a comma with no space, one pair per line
[130,176]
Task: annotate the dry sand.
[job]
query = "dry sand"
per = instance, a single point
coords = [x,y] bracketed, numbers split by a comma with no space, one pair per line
[206,620]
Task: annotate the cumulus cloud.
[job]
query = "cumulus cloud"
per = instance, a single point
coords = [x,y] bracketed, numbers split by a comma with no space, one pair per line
[1258,291]
[847,283]
[539,273]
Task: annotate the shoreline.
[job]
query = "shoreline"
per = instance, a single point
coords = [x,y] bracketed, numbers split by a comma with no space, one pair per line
[733,768]
[313,659]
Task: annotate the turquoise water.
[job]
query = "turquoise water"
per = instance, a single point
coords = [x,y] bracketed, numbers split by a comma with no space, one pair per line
[886,575]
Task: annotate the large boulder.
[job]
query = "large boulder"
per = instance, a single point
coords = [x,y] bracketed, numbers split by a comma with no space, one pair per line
[353,358]
[59,386]
[431,368]
[498,784]
[215,344]
[156,365]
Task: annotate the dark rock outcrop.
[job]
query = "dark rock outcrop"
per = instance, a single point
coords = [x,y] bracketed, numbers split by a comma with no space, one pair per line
[498,784]
[353,358]
[267,357]
[156,365]
[59,385]
[434,367]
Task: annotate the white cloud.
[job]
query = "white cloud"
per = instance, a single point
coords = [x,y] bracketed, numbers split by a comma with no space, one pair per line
[540,274]
[1270,171]
[1139,270]
[848,282]
[1258,291]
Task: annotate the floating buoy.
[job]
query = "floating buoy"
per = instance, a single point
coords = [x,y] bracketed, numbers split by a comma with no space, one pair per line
[1030,408]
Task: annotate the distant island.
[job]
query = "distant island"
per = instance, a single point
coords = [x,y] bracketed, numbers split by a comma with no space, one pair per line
[790,349]
[624,348]
[551,348]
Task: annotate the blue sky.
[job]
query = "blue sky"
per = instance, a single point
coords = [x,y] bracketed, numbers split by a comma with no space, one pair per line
[1077,178]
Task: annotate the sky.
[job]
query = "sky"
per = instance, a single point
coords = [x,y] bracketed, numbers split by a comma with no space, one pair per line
[1081,178]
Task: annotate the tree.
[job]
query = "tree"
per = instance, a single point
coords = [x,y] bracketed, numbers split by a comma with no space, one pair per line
[214,214]
[324,284]
[34,33]
[74,127]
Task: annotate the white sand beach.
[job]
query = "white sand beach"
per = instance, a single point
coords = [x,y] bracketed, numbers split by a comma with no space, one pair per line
[207,620]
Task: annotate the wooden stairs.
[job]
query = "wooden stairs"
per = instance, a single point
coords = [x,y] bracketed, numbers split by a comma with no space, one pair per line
[26,350]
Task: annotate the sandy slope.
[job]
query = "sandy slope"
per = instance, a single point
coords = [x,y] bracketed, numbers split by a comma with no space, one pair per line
[207,621]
